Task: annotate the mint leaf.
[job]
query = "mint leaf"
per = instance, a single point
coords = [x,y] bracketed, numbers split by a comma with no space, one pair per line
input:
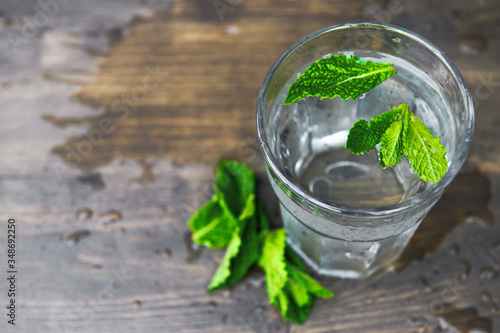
[242,252]
[425,152]
[244,248]
[339,75]
[234,182]
[288,286]
[272,262]
[400,131]
[364,136]
[234,217]
[214,224]
[391,144]
[211,226]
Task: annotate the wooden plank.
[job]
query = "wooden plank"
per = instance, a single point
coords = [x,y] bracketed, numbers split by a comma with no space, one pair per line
[101,171]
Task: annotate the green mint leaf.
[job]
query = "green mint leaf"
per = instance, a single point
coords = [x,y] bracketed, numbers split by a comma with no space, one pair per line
[263,224]
[234,182]
[242,252]
[339,75]
[364,136]
[391,143]
[425,152]
[399,131]
[212,226]
[272,262]
[313,286]
[288,286]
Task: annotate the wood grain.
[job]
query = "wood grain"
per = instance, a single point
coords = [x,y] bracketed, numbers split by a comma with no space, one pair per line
[111,129]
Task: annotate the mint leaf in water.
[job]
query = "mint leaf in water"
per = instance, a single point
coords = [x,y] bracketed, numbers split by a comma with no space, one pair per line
[364,136]
[339,75]
[288,285]
[400,131]
[425,152]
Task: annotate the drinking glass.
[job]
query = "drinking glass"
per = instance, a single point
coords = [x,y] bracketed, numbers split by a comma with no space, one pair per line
[344,214]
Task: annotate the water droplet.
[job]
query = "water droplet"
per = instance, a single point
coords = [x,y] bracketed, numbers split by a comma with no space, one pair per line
[212,304]
[465,268]
[476,220]
[232,29]
[473,43]
[423,283]
[396,40]
[163,209]
[167,252]
[193,250]
[257,282]
[415,320]
[84,214]
[110,216]
[75,237]
[454,249]
[487,273]
[486,297]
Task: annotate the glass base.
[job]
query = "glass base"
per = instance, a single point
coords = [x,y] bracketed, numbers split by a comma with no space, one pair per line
[344,259]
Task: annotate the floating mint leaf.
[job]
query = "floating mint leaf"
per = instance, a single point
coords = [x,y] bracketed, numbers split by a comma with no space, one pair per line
[339,75]
[364,136]
[400,131]
[391,143]
[425,152]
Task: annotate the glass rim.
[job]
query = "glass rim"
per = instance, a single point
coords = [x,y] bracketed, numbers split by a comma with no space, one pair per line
[428,196]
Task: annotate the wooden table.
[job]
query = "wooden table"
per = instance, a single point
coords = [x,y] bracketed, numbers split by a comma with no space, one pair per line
[113,115]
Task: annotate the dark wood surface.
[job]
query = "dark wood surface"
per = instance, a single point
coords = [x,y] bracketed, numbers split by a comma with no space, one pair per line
[113,115]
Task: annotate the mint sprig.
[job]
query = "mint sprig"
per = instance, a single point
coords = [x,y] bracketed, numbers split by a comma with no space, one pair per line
[288,285]
[236,218]
[339,75]
[399,131]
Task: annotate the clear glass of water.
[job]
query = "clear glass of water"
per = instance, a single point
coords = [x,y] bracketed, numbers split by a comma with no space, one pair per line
[345,215]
